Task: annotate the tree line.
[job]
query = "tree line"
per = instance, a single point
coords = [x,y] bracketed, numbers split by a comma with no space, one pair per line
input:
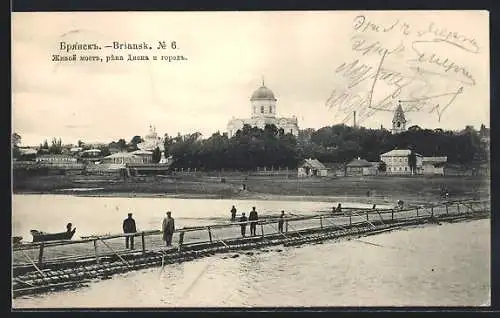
[253,147]
[249,148]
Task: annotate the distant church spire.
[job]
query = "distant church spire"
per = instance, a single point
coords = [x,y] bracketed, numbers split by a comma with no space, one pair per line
[263,81]
[399,120]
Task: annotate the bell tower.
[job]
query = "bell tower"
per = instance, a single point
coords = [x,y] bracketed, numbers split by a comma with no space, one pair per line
[399,120]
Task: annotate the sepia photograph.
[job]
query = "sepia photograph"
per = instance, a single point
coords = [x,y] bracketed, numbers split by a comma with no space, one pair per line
[250,159]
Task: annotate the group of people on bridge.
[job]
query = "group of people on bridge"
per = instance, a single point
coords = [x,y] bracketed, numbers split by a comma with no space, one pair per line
[253,218]
[168,229]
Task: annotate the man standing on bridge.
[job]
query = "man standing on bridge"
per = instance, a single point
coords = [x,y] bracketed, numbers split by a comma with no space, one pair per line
[168,228]
[280,222]
[233,214]
[243,221]
[253,217]
[129,227]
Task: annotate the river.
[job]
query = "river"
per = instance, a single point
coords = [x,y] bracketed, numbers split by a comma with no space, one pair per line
[100,215]
[433,265]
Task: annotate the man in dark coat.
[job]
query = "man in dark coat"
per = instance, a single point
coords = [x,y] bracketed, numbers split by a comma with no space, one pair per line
[168,228]
[129,227]
[253,217]
[280,222]
[243,218]
[233,214]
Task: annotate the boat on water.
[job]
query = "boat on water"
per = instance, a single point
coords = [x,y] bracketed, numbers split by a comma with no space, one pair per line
[17,239]
[39,236]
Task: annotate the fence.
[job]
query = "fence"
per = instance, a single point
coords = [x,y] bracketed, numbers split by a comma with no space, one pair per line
[94,248]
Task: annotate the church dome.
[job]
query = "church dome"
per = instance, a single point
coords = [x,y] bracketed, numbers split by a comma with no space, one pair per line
[263,93]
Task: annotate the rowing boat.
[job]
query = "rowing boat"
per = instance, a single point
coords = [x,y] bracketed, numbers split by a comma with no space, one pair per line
[17,239]
[39,236]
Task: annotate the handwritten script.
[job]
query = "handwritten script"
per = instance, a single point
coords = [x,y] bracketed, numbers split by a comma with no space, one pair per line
[426,68]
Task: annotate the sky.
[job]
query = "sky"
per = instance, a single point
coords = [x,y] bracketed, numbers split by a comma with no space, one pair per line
[320,65]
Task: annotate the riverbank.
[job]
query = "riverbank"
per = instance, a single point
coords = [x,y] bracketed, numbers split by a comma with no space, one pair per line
[372,189]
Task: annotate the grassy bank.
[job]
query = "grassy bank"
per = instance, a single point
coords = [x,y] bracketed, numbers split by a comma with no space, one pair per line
[372,188]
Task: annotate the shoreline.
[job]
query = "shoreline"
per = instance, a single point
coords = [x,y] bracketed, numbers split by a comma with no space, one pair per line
[360,189]
[245,196]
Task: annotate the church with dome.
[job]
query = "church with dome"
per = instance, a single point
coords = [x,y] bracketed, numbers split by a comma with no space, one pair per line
[263,112]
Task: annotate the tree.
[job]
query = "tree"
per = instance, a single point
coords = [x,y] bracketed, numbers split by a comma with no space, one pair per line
[122,144]
[167,143]
[132,146]
[136,140]
[80,143]
[43,148]
[412,161]
[382,166]
[16,140]
[56,146]
[104,150]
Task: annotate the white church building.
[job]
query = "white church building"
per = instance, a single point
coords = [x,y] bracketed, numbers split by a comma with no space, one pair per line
[263,110]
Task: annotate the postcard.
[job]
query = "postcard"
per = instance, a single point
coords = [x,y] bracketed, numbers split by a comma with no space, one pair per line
[250,159]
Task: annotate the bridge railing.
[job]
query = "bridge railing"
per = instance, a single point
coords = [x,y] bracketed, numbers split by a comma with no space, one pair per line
[96,247]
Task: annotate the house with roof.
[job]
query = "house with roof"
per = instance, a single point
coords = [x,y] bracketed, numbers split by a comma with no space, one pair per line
[146,156]
[75,150]
[122,158]
[397,162]
[434,165]
[312,168]
[361,167]
[59,163]
[106,169]
[27,154]
[90,156]
[336,169]
[55,159]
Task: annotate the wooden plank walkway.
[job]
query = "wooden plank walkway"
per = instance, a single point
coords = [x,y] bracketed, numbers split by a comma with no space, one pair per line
[38,267]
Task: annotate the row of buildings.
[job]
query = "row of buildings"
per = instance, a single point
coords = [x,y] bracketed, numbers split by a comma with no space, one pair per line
[394,162]
[77,160]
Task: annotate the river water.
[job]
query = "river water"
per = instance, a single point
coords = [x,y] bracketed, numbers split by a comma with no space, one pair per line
[433,265]
[101,215]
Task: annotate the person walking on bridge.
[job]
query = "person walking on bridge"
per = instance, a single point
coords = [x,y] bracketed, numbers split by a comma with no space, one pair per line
[168,228]
[253,217]
[129,227]
[243,218]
